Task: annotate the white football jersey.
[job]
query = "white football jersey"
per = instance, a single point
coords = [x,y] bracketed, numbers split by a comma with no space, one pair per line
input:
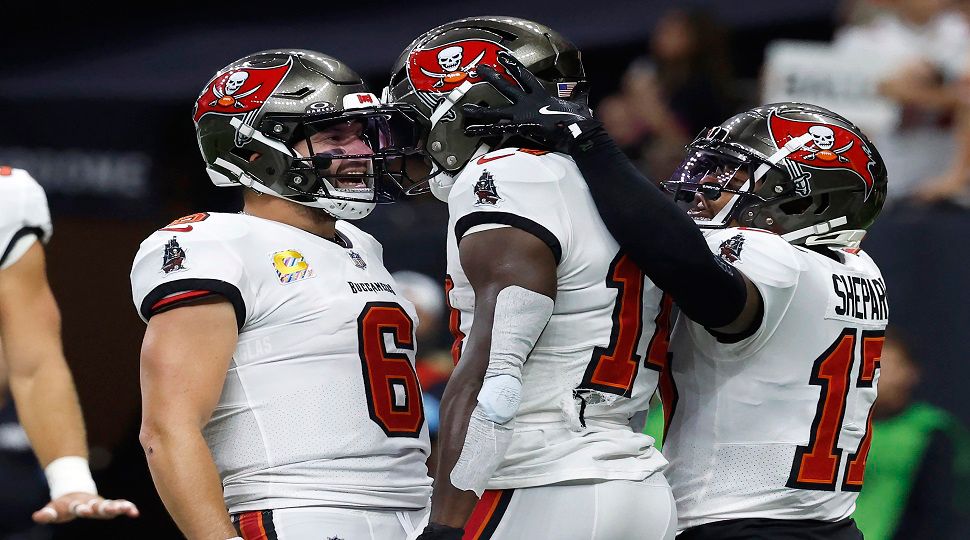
[590,376]
[321,405]
[776,425]
[24,216]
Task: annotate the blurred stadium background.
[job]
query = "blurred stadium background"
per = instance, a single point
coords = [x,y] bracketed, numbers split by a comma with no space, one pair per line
[96,103]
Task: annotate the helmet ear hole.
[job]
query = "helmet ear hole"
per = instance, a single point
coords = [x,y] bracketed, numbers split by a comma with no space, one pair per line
[816,205]
[796,207]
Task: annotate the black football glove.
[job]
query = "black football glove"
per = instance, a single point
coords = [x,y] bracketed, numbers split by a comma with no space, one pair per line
[554,123]
[436,531]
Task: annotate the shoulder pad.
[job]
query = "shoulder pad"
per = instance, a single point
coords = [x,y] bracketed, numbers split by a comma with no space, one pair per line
[23,207]
[184,223]
[762,256]
[214,225]
[514,165]
[18,179]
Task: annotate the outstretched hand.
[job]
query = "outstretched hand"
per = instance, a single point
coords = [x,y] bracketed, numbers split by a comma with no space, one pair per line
[535,114]
[83,505]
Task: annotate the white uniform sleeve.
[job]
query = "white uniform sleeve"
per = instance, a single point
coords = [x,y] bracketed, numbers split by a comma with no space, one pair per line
[173,268]
[512,188]
[773,266]
[24,216]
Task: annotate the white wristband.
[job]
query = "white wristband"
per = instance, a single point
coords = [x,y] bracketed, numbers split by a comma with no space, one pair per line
[69,474]
[235,538]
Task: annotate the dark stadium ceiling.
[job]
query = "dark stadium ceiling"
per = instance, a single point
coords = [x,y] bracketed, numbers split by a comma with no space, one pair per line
[162,51]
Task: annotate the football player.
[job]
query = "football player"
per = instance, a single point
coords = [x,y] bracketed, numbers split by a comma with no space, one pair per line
[277,366]
[769,414]
[37,373]
[559,338]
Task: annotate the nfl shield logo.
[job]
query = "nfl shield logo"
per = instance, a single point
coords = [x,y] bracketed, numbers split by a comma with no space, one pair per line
[358,260]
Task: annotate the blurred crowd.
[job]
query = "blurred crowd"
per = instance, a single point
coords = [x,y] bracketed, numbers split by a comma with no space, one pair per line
[684,82]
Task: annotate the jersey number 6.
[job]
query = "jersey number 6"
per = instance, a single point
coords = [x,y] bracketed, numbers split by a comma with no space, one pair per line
[393,393]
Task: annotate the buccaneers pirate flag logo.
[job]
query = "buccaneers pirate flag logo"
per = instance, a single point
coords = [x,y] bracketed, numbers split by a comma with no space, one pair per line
[239,90]
[442,69]
[831,147]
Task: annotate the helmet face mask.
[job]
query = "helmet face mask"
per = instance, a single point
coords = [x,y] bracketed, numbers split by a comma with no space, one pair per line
[437,73]
[350,155]
[795,169]
[712,187]
[300,125]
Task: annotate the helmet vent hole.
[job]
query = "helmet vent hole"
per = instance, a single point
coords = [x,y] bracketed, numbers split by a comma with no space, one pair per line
[296,94]
[550,74]
[823,204]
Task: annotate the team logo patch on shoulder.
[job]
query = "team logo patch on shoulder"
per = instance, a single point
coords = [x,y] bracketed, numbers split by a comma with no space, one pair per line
[291,266]
[358,260]
[173,258]
[485,190]
[730,249]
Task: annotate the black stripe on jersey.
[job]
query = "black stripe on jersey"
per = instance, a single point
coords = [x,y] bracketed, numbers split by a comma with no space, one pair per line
[493,520]
[17,236]
[269,526]
[764,528]
[228,290]
[505,218]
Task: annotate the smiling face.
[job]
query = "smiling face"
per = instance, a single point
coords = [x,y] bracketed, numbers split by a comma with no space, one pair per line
[708,208]
[343,138]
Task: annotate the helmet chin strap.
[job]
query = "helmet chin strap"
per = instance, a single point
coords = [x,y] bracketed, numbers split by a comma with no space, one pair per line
[442,182]
[813,233]
[250,132]
[449,101]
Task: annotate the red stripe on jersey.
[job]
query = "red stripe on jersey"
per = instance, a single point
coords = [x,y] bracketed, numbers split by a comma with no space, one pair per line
[181,297]
[251,526]
[487,514]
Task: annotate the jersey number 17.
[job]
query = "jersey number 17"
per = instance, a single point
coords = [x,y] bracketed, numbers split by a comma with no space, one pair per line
[816,464]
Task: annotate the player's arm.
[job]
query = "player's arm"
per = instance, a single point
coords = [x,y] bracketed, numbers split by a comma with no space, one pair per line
[43,389]
[513,274]
[664,242]
[184,359]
